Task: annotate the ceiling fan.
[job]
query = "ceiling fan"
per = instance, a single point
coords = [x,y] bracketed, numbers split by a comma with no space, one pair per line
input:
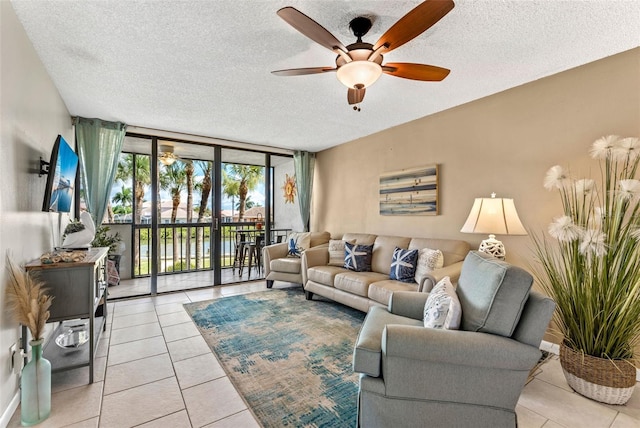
[359,64]
[166,155]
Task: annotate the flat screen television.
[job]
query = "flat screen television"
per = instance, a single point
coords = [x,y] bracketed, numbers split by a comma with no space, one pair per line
[61,178]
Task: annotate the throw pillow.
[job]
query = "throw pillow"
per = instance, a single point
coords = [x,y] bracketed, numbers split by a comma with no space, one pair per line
[357,257]
[297,242]
[442,308]
[336,251]
[428,260]
[403,265]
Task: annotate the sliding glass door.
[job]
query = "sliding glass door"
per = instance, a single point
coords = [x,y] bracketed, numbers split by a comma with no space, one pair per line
[242,214]
[184,215]
[194,215]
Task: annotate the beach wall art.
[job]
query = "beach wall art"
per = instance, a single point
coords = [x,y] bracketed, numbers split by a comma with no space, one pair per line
[410,191]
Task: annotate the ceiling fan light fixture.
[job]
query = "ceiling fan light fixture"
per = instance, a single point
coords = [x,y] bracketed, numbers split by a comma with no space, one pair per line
[166,156]
[167,159]
[359,74]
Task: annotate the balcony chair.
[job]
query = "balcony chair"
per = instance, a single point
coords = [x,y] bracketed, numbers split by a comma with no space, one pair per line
[254,254]
[240,252]
[412,376]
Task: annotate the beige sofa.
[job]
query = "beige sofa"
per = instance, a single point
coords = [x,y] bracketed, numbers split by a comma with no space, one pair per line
[361,290]
[279,267]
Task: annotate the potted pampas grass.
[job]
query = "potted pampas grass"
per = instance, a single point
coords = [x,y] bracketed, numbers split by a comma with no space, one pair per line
[590,266]
[30,306]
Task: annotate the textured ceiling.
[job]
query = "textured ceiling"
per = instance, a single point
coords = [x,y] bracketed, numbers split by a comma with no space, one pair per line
[203,67]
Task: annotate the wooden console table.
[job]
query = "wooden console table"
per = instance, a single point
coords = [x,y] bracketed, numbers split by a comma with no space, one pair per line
[78,288]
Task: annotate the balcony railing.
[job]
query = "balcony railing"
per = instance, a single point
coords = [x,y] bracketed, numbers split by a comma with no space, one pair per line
[186,247]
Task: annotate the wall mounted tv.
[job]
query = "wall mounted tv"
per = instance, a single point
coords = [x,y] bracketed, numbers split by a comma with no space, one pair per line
[61,178]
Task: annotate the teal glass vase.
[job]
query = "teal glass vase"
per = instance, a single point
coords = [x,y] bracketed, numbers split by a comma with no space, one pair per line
[35,386]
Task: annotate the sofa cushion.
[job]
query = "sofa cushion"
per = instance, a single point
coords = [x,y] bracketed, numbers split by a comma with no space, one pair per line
[367,353]
[383,250]
[492,294]
[319,238]
[380,291]
[442,308]
[288,265]
[428,260]
[357,282]
[357,257]
[324,275]
[360,238]
[403,265]
[453,250]
[336,251]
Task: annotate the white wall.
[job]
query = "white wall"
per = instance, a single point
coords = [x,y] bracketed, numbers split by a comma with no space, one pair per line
[287,215]
[32,114]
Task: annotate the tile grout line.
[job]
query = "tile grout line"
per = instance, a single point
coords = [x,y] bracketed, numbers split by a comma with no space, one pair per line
[106,363]
[173,367]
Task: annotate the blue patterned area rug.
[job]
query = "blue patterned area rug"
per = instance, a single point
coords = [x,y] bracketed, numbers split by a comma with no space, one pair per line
[288,357]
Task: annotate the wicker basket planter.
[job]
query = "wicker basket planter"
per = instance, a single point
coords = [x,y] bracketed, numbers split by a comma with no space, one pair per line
[601,379]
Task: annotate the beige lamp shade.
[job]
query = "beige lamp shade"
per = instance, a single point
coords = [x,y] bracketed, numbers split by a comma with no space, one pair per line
[495,216]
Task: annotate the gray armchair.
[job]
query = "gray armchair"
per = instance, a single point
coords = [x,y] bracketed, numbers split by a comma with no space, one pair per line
[412,376]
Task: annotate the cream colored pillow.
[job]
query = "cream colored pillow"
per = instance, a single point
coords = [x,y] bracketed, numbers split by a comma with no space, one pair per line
[336,251]
[428,260]
[442,308]
[302,240]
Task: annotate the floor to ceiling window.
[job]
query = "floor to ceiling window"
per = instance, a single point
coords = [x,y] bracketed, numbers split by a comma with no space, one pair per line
[192,215]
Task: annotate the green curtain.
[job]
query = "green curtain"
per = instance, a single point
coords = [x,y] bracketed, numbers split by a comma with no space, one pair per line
[303,163]
[99,145]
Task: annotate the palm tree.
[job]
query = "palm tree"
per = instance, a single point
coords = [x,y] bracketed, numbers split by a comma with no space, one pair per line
[205,190]
[110,214]
[142,178]
[123,197]
[230,188]
[173,179]
[189,169]
[248,177]
[248,203]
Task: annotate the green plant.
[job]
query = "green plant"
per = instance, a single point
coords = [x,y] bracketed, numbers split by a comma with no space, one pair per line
[180,266]
[592,266]
[73,226]
[102,239]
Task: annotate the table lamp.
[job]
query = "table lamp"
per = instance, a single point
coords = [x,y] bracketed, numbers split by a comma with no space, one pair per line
[493,216]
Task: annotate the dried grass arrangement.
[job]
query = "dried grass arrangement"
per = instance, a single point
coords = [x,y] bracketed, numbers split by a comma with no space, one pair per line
[27,299]
[591,267]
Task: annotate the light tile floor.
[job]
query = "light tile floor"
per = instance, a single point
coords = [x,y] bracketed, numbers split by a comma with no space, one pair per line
[155,370]
[133,287]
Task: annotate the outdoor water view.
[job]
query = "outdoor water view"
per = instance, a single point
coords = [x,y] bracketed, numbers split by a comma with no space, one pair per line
[185,226]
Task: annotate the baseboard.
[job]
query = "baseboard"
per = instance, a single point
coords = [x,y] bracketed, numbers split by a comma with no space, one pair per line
[8,413]
[555,349]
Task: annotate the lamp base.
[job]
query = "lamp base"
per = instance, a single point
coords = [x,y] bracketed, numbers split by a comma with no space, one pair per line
[493,247]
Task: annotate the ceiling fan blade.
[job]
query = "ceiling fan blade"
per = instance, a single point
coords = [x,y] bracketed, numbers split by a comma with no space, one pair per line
[310,28]
[355,96]
[407,70]
[414,23]
[302,71]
